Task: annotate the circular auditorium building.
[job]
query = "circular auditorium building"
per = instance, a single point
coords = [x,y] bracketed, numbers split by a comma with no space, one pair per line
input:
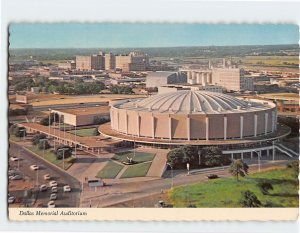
[192,116]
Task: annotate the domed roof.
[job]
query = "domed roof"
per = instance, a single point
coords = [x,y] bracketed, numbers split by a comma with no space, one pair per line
[189,101]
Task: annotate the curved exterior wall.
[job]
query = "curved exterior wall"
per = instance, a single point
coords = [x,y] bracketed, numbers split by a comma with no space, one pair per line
[194,126]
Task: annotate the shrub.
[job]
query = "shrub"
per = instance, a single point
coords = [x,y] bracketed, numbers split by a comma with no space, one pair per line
[265,186]
[249,199]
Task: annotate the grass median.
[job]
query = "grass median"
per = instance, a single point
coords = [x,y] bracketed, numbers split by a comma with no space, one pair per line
[110,171]
[137,170]
[226,192]
[51,157]
[137,156]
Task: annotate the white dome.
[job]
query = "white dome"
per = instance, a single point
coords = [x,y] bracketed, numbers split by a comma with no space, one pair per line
[188,101]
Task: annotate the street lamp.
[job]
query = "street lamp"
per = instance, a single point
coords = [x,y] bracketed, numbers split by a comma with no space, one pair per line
[258,158]
[44,142]
[199,154]
[172,174]
[63,150]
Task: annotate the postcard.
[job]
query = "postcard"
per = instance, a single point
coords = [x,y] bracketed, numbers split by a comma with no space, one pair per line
[153,121]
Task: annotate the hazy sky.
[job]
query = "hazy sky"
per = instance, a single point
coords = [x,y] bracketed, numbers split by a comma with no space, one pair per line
[109,35]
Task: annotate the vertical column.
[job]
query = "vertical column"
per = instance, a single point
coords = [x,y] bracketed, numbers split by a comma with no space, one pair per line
[251,155]
[255,125]
[231,156]
[203,79]
[188,127]
[273,151]
[189,76]
[241,126]
[268,152]
[153,127]
[118,120]
[225,127]
[273,121]
[242,155]
[198,78]
[170,127]
[266,122]
[126,122]
[207,128]
[138,125]
[112,118]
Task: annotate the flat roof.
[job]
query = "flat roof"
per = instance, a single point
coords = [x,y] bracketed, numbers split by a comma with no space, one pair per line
[85,111]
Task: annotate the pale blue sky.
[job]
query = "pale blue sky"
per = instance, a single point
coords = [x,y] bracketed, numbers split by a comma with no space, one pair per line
[118,35]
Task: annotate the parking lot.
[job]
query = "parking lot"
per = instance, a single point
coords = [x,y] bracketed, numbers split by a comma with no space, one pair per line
[26,188]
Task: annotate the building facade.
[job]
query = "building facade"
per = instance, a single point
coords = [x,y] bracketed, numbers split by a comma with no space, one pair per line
[193,115]
[162,78]
[93,62]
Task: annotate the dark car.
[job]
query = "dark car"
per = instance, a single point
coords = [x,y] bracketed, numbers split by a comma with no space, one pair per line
[212,176]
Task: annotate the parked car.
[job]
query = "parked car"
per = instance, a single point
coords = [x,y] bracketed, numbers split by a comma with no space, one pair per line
[34,167]
[54,189]
[47,177]
[43,188]
[51,204]
[53,196]
[52,183]
[67,188]
[11,199]
[16,177]
[212,176]
[14,158]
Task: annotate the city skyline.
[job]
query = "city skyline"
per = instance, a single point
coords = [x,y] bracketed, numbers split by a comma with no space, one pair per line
[127,35]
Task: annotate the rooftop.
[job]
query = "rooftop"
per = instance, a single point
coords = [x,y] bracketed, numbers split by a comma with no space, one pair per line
[193,102]
[85,111]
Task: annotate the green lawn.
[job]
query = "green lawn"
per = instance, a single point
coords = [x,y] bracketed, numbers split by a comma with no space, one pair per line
[226,192]
[50,156]
[110,171]
[137,170]
[84,132]
[138,157]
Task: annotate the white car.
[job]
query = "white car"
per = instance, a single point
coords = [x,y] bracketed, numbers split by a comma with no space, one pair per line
[54,189]
[53,196]
[67,188]
[34,167]
[43,188]
[47,177]
[14,158]
[11,199]
[51,204]
[16,177]
[52,183]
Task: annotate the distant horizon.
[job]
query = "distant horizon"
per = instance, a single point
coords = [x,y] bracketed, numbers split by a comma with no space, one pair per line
[182,46]
[148,35]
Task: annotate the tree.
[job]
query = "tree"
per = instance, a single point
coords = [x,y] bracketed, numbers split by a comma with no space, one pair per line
[60,154]
[43,145]
[238,167]
[17,131]
[265,186]
[36,138]
[213,156]
[249,199]
[178,157]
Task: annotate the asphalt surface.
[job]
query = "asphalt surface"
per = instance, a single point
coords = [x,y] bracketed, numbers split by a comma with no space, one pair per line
[122,192]
[68,199]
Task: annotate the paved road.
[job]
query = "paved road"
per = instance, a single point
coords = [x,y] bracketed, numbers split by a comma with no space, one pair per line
[71,199]
[122,192]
